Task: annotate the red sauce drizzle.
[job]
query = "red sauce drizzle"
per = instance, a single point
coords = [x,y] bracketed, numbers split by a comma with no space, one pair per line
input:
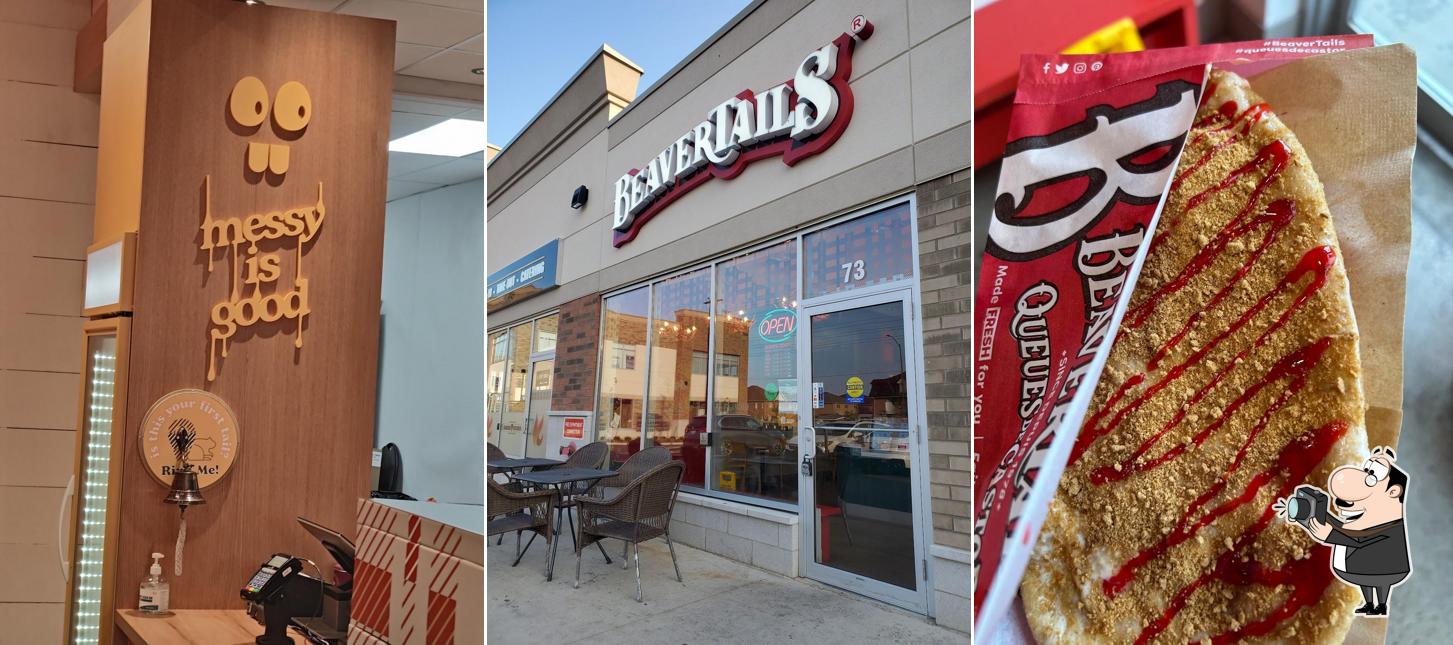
[1277,153]
[1279,214]
[1250,115]
[1296,365]
[1317,261]
[1227,111]
[1186,528]
[1308,577]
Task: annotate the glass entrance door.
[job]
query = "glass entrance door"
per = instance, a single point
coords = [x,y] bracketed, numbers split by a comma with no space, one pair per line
[537,420]
[857,444]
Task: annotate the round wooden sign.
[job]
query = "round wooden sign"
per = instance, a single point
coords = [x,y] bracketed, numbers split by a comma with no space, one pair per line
[190,424]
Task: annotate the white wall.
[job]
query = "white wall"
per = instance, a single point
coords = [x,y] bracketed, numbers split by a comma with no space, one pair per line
[431,385]
[47,192]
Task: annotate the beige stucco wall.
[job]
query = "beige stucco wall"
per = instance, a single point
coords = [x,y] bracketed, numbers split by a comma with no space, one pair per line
[542,213]
[912,108]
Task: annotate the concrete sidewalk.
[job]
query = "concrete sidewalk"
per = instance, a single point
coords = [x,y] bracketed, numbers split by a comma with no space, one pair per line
[721,601]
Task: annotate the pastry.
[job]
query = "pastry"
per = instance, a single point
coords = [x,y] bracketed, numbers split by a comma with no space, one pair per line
[1234,378]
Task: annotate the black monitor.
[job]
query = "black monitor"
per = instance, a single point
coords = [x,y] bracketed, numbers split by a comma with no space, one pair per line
[340,547]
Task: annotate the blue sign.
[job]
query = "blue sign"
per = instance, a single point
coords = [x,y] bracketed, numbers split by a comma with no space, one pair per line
[524,277]
[855,399]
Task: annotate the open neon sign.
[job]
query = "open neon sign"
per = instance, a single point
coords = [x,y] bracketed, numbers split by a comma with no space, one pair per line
[777,325]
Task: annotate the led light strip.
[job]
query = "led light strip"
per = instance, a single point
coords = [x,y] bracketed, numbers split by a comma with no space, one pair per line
[91,537]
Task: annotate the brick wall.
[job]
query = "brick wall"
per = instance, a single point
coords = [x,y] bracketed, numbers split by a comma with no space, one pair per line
[576,355]
[944,257]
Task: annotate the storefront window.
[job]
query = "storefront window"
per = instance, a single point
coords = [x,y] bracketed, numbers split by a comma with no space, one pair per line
[545,330]
[859,253]
[622,373]
[722,390]
[678,389]
[512,420]
[755,436]
[499,354]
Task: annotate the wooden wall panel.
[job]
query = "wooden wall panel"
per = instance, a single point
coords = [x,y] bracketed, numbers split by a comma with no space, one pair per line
[306,417]
[122,126]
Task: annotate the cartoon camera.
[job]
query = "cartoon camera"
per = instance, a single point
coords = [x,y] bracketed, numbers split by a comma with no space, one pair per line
[1307,503]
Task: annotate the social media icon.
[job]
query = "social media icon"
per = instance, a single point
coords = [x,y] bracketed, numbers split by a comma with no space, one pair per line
[1060,68]
[1079,68]
[1095,66]
[1046,68]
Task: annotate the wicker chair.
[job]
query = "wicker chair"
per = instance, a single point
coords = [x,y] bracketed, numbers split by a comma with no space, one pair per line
[634,466]
[494,453]
[639,512]
[509,484]
[519,512]
[591,455]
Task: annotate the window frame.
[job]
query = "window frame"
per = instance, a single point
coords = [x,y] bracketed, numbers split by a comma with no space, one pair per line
[797,236]
[491,434]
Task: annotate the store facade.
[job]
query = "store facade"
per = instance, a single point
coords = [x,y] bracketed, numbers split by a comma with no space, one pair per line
[760,264]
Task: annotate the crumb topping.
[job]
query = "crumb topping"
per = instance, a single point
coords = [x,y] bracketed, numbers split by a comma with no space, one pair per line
[1222,417]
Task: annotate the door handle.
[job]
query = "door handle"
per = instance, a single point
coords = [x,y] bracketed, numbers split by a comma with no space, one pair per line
[61,544]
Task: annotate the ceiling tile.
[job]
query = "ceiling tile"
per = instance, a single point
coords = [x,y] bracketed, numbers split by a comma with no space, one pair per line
[449,66]
[422,24]
[403,163]
[475,45]
[401,189]
[454,171]
[406,54]
[404,123]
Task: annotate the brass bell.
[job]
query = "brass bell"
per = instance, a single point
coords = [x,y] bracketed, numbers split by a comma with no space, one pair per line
[184,491]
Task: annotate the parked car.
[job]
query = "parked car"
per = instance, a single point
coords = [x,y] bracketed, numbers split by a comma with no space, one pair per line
[740,434]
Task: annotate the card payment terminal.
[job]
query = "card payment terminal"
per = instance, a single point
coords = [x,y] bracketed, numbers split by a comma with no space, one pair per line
[278,593]
[270,578]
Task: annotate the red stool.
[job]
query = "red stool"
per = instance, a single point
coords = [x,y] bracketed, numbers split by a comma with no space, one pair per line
[823,513]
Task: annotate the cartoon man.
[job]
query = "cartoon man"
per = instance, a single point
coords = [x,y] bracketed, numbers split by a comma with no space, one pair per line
[1369,543]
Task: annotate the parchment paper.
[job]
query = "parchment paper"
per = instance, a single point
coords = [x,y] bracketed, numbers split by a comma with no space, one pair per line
[1355,113]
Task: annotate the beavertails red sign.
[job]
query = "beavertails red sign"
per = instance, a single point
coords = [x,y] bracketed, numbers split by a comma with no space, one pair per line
[1093,142]
[796,119]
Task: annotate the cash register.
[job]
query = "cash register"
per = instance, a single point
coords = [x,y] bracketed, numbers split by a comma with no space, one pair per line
[281,595]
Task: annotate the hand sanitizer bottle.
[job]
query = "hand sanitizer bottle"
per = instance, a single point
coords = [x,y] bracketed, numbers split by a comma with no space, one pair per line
[155,596]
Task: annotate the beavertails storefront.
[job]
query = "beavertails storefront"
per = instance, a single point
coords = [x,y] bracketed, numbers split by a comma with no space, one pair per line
[760,264]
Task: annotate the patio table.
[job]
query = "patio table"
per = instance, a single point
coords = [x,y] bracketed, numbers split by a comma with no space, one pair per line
[561,479]
[515,464]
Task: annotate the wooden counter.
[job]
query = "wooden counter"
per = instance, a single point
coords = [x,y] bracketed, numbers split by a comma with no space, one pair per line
[192,627]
